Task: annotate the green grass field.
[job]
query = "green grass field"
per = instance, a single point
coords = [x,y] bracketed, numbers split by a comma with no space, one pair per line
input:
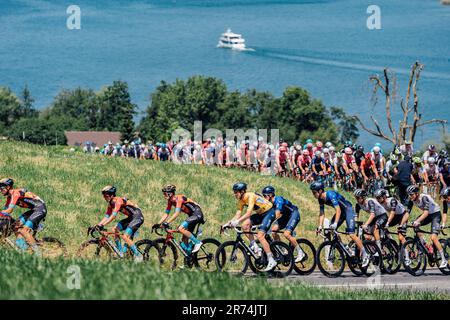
[70,184]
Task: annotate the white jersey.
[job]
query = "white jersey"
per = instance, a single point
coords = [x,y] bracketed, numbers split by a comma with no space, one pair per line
[392,204]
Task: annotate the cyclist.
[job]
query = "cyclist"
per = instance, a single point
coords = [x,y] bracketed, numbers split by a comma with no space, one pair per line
[129,225]
[431,214]
[377,214]
[417,171]
[264,216]
[398,215]
[368,168]
[343,212]
[339,166]
[391,167]
[444,174]
[187,227]
[380,161]
[283,159]
[318,166]
[29,221]
[287,217]
[430,153]
[359,155]
[304,162]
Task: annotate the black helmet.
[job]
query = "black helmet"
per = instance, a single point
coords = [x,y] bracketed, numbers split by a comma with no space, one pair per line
[170,188]
[412,189]
[111,190]
[445,192]
[443,153]
[380,193]
[361,148]
[360,193]
[268,190]
[6,182]
[316,186]
[240,186]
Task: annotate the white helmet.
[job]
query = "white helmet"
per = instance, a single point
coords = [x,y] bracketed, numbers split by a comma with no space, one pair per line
[318,153]
[431,160]
[348,151]
[328,144]
[376,149]
[332,149]
[326,150]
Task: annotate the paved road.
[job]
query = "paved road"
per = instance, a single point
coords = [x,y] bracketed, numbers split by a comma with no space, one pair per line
[432,280]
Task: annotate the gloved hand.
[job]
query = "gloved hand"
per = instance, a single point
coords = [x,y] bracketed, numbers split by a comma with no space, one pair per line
[165,225]
[333,226]
[416,223]
[442,226]
[234,223]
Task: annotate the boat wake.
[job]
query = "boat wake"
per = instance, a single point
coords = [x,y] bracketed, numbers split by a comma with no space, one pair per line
[275,54]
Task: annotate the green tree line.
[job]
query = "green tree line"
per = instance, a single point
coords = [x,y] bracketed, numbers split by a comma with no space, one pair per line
[295,113]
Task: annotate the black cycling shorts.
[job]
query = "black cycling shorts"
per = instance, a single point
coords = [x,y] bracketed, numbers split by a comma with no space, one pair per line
[435,220]
[33,217]
[193,220]
[131,223]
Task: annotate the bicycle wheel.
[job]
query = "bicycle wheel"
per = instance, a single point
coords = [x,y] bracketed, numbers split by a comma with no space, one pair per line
[375,258]
[308,263]
[391,260]
[142,245]
[330,259]
[352,262]
[162,254]
[94,249]
[282,253]
[231,257]
[414,259]
[446,247]
[204,258]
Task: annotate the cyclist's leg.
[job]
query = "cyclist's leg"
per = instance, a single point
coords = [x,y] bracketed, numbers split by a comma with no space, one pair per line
[188,226]
[135,223]
[37,215]
[379,223]
[350,217]
[275,229]
[290,226]
[267,219]
[21,243]
[120,227]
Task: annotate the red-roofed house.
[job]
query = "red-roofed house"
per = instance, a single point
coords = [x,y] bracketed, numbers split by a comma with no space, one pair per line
[98,138]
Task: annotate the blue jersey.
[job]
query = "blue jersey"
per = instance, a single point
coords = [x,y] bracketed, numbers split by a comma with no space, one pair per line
[334,199]
[283,205]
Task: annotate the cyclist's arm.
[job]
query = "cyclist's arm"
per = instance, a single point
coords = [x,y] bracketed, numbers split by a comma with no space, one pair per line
[423,216]
[391,216]
[321,214]
[178,206]
[441,178]
[110,215]
[374,169]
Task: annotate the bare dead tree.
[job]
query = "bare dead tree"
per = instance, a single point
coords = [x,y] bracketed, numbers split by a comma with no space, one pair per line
[405,131]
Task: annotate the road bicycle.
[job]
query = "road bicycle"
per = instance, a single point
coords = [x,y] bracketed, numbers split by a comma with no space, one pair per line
[236,256]
[416,254]
[49,247]
[103,246]
[163,251]
[333,254]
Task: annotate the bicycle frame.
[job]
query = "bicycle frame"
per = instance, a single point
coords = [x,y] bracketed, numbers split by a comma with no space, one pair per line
[421,245]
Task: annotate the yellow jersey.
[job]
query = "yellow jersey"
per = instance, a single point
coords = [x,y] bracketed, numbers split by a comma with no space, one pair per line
[254,202]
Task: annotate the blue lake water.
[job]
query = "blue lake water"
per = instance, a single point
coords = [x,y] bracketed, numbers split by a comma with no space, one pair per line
[323,46]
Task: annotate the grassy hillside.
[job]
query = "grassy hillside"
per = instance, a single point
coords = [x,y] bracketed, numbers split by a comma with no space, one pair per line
[70,183]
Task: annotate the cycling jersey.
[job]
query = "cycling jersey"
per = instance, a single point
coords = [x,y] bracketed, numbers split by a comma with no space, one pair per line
[367,165]
[254,202]
[425,203]
[392,204]
[432,172]
[371,206]
[123,205]
[304,162]
[334,199]
[348,159]
[182,203]
[22,198]
[283,205]
[317,163]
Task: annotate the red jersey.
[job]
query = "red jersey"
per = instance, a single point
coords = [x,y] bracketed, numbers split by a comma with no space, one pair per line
[22,198]
[123,205]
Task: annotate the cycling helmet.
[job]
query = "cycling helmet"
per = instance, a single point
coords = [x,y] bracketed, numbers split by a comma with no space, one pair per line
[368,156]
[298,147]
[170,188]
[376,149]
[360,193]
[417,160]
[305,152]
[432,147]
[412,189]
[394,157]
[378,145]
[317,186]
[332,149]
[319,144]
[6,182]
[380,193]
[284,144]
[111,190]
[309,141]
[268,190]
[318,153]
[328,144]
[309,145]
[240,186]
[431,160]
[360,148]
[445,192]
[348,151]
[326,150]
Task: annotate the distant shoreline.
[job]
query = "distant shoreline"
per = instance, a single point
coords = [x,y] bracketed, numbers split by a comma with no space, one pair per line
[445,2]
